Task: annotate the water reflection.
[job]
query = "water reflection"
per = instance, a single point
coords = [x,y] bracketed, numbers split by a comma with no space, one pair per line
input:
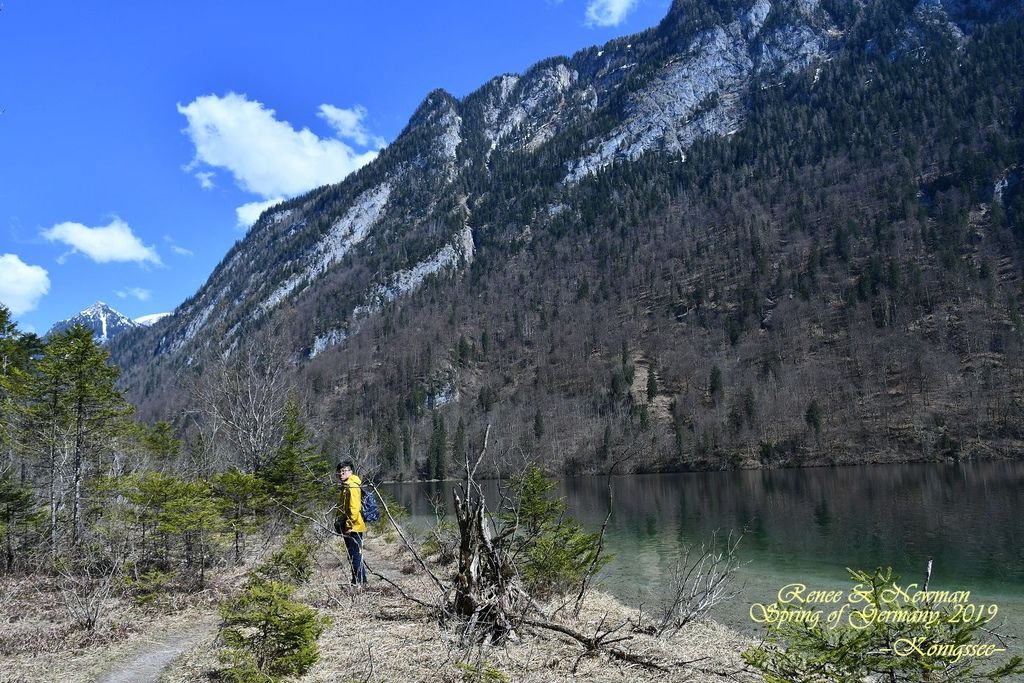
[806,522]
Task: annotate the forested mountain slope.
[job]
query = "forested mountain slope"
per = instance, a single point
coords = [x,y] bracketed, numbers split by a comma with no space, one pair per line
[758,234]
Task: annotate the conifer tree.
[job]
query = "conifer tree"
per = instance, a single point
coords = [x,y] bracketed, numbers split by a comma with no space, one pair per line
[389,447]
[270,636]
[436,456]
[192,515]
[17,513]
[161,442]
[715,383]
[12,380]
[74,412]
[406,446]
[813,416]
[459,443]
[296,469]
[95,406]
[242,501]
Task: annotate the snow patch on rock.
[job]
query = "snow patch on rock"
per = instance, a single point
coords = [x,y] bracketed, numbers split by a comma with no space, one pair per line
[346,232]
[697,95]
[405,281]
[151,319]
[350,229]
[280,216]
[326,340]
[195,324]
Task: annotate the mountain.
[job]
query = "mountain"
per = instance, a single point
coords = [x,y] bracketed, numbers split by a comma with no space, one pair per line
[104,321]
[758,234]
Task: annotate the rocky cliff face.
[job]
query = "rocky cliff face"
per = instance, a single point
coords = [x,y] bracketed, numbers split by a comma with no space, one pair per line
[407,214]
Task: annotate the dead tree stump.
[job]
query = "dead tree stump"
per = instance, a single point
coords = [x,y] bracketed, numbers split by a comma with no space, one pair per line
[488,594]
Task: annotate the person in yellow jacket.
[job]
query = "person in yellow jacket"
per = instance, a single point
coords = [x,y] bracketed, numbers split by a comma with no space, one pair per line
[350,518]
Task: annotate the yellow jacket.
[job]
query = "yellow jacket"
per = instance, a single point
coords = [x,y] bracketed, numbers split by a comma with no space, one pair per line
[350,503]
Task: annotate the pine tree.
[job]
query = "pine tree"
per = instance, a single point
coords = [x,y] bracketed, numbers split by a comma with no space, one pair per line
[192,515]
[556,550]
[406,445]
[74,413]
[96,407]
[17,513]
[242,501]
[436,455]
[389,447]
[715,383]
[459,443]
[485,343]
[296,469]
[13,379]
[813,416]
[271,636]
[160,441]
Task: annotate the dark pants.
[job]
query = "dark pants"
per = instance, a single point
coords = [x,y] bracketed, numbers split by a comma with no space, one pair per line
[354,543]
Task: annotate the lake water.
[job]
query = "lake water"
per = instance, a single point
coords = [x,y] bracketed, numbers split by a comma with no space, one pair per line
[804,525]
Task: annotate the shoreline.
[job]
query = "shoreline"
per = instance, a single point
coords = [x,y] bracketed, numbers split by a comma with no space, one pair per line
[985,458]
[377,631]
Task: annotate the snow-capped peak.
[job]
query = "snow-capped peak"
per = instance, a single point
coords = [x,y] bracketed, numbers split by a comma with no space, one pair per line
[105,322]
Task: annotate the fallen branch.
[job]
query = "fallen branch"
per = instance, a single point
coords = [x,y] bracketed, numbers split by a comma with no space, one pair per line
[405,540]
[400,590]
[600,643]
[592,569]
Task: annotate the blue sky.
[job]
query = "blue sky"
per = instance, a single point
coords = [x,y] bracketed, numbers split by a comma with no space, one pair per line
[138,139]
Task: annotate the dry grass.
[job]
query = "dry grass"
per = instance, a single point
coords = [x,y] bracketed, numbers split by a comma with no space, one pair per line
[378,636]
[39,641]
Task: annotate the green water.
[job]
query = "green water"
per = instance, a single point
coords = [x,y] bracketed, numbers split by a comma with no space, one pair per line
[805,525]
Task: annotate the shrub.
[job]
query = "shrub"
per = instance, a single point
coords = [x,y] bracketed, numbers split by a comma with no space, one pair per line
[147,586]
[484,673]
[881,631]
[555,552]
[294,561]
[442,541]
[269,636]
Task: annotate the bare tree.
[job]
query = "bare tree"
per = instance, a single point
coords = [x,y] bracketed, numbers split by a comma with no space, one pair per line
[242,398]
[86,588]
[700,581]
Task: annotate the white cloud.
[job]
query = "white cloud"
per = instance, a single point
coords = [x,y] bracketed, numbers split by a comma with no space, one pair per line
[205,179]
[267,157]
[608,12]
[249,213]
[137,292]
[177,249]
[348,124]
[21,285]
[103,244]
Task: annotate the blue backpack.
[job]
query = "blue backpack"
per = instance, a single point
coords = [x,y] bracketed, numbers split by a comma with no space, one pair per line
[369,509]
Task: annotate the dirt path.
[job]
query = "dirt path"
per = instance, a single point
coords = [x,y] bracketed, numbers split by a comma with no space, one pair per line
[154,654]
